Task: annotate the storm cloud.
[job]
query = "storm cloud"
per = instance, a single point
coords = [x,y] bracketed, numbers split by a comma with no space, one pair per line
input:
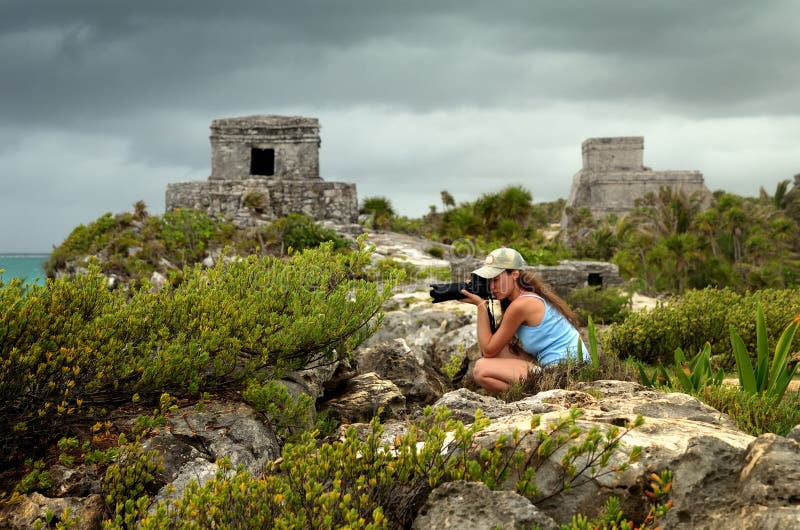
[105,103]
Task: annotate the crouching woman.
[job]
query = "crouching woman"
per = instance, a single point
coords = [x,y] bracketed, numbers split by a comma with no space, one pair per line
[546,329]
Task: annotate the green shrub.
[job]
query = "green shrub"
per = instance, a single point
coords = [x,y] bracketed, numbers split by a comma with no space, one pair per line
[72,347]
[613,518]
[436,252]
[755,414]
[369,484]
[605,306]
[389,269]
[299,232]
[700,316]
[187,235]
[130,481]
[379,210]
[133,244]
[288,416]
[37,478]
[256,201]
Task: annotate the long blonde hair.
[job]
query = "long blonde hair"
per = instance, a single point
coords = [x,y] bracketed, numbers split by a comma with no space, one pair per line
[530,281]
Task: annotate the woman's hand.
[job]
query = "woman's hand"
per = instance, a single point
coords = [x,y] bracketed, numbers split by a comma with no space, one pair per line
[471,298]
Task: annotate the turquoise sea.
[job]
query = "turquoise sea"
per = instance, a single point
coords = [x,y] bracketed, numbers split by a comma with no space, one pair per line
[27,266]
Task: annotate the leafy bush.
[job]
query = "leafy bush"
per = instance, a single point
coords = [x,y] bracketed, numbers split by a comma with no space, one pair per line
[605,306]
[72,346]
[371,484]
[131,481]
[133,245]
[288,416]
[380,211]
[83,240]
[392,269]
[754,414]
[187,234]
[436,252]
[299,232]
[700,316]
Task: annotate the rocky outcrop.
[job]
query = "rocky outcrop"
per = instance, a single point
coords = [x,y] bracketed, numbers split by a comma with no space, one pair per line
[723,478]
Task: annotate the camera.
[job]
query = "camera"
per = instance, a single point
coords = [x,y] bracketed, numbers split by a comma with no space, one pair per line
[443,292]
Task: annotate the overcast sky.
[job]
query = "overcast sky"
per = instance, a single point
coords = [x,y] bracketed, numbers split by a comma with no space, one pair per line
[103,103]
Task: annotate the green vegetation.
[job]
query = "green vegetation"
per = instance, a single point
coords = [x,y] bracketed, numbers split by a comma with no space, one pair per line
[72,348]
[289,417]
[673,242]
[379,210]
[755,414]
[700,316]
[506,218]
[134,245]
[289,294]
[375,484]
[770,377]
[689,376]
[604,306]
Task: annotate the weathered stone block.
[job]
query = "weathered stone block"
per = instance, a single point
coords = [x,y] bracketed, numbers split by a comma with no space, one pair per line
[613,178]
[263,168]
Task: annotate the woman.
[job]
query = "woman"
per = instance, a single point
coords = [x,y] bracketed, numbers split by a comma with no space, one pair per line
[544,326]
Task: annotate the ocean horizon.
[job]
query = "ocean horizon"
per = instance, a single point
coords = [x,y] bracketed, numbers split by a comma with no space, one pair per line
[27,266]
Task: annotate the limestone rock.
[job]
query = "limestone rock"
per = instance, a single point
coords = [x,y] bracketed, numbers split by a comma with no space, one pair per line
[33,507]
[78,481]
[362,398]
[771,475]
[794,434]
[227,429]
[196,470]
[473,505]
[158,280]
[704,454]
[406,368]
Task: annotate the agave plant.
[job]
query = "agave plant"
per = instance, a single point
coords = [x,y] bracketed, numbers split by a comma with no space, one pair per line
[697,373]
[770,378]
[593,353]
[690,376]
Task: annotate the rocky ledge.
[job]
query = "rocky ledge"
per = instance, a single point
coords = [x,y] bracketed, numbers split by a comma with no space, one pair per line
[723,478]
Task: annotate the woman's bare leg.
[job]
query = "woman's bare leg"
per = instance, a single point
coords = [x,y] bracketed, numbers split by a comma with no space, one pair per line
[497,374]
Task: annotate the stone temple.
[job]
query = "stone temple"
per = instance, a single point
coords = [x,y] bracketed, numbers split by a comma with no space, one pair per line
[614,176]
[263,168]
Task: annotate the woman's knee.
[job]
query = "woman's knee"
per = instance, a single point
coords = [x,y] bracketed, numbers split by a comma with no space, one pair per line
[480,370]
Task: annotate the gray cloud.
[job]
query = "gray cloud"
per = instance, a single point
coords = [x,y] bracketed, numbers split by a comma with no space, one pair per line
[104,103]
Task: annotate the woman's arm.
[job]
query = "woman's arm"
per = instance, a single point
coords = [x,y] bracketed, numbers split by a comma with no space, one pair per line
[491,344]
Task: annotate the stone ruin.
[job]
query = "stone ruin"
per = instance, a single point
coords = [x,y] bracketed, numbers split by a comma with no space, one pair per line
[613,177]
[263,168]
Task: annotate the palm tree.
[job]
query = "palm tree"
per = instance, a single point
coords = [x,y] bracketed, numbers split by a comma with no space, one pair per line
[380,209]
[447,200]
[684,250]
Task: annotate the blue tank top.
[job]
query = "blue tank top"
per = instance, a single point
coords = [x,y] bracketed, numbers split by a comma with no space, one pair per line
[553,340]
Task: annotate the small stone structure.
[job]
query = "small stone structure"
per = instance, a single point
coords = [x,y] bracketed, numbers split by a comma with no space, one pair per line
[263,168]
[613,177]
[562,278]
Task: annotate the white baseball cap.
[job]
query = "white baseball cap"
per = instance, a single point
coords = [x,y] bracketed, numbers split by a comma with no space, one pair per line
[499,260]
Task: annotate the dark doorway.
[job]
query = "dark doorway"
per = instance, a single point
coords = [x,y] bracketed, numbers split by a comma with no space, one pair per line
[594,280]
[262,161]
